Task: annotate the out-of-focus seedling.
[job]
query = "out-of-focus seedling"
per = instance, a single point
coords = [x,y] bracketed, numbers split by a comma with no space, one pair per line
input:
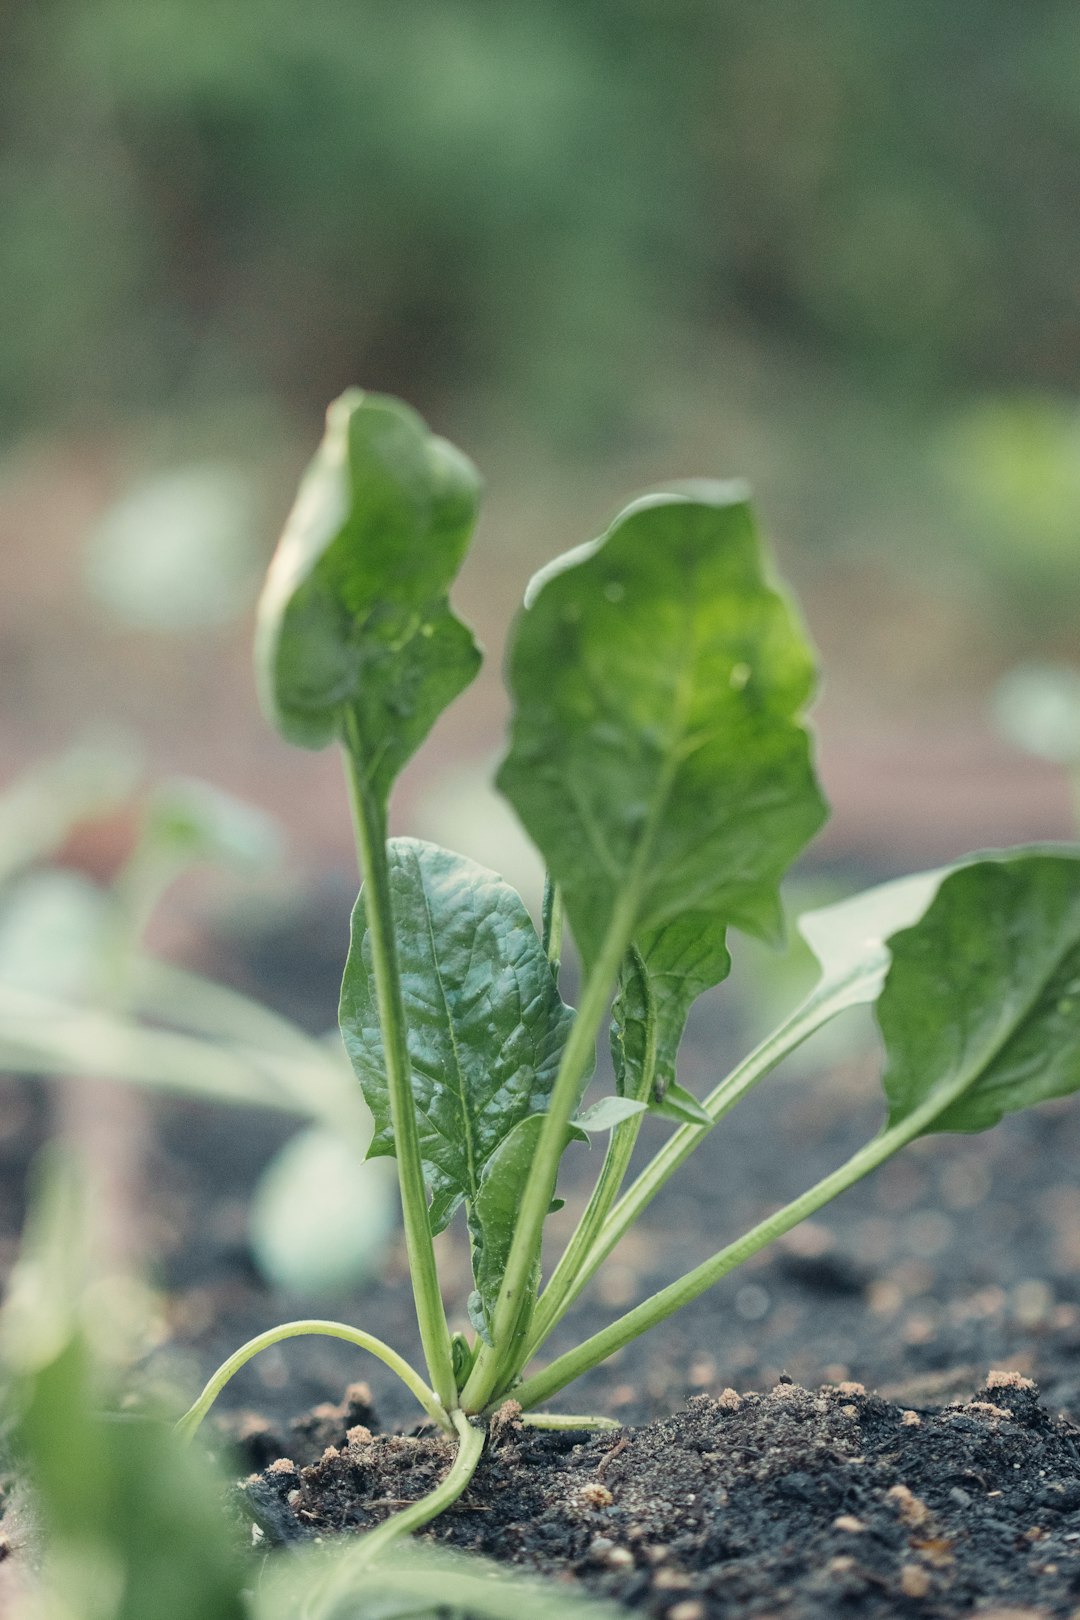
[81,996]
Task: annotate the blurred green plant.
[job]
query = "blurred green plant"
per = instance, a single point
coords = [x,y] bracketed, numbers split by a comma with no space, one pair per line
[81,996]
[134,1525]
[1037,707]
[498,197]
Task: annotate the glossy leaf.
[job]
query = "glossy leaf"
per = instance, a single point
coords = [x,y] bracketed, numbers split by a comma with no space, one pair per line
[354,632]
[658,756]
[659,983]
[981,1006]
[486,1024]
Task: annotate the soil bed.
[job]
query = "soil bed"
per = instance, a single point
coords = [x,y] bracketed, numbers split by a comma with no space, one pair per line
[794,1503]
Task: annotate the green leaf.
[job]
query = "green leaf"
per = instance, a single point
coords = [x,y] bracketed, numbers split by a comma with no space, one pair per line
[607,1113]
[659,983]
[188,822]
[486,1024]
[682,1106]
[658,757]
[981,1007]
[851,938]
[493,1217]
[355,634]
[132,1520]
[321,1217]
[412,1578]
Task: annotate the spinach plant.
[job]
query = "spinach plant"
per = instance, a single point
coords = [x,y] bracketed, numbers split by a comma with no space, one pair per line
[659,758]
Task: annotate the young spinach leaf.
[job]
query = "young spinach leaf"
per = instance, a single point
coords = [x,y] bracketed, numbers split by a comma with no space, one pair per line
[657,756]
[659,983]
[981,1006]
[486,1024]
[355,635]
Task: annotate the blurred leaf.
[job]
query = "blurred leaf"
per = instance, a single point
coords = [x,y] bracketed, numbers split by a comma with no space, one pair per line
[39,810]
[418,1580]
[187,822]
[1038,707]
[321,1215]
[178,553]
[52,925]
[133,1519]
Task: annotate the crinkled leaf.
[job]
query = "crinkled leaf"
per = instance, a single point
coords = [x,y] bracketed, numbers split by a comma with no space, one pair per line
[658,754]
[659,983]
[486,1024]
[981,1005]
[355,633]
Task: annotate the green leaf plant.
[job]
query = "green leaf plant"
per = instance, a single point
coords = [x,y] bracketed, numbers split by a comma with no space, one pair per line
[659,758]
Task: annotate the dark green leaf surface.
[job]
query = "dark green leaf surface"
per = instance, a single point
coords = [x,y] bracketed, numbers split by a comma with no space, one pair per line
[493,1215]
[661,980]
[657,754]
[486,1024]
[981,1006]
[354,632]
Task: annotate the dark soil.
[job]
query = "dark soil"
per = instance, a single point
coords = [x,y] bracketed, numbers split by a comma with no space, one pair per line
[962,1254]
[788,1504]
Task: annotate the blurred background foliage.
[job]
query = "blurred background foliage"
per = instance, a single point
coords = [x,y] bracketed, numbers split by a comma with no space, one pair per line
[831,247]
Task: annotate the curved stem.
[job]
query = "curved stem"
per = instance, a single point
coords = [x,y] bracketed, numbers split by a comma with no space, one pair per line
[470,1449]
[663,1304]
[434,1408]
[369,820]
[808,1017]
[500,1361]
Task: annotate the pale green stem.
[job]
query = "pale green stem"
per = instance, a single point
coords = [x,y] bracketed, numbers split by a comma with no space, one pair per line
[331,1330]
[564,1422]
[369,822]
[564,1282]
[470,1449]
[552,925]
[808,1017]
[661,1305]
[500,1361]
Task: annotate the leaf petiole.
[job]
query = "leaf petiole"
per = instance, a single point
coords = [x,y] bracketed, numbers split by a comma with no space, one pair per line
[810,1016]
[499,1362]
[434,1408]
[542,1385]
[369,822]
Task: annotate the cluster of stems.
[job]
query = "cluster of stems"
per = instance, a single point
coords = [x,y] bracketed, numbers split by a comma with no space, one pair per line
[522,1322]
